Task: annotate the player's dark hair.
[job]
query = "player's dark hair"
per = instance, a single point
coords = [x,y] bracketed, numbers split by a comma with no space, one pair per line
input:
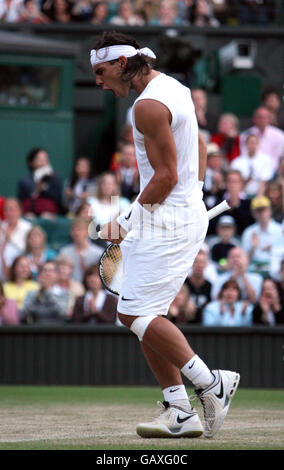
[136,64]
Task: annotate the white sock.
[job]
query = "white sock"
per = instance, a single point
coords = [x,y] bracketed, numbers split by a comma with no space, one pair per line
[176,395]
[197,372]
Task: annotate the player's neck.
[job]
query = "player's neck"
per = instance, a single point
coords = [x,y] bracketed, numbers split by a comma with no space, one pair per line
[139,82]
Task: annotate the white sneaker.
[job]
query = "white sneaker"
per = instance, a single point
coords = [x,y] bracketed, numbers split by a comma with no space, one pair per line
[172,422]
[216,399]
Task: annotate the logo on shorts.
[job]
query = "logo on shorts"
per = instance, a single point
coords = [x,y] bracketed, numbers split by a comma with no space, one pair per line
[123,298]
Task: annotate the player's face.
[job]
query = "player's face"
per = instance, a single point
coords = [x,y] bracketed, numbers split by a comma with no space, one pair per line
[108,77]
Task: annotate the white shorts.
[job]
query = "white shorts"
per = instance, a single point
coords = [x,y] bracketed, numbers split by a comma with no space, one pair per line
[154,269]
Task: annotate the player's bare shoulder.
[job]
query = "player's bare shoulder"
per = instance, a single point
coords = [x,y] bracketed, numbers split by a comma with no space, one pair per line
[151,114]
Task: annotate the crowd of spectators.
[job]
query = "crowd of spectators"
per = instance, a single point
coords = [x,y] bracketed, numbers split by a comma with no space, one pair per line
[237,278]
[139,12]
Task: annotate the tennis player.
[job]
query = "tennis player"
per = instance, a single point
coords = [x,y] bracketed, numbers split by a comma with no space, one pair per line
[169,222]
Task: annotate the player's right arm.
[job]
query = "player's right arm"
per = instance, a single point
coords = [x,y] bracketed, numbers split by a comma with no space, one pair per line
[202,157]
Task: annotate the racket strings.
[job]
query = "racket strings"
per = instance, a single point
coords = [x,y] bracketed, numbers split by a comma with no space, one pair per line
[111,270]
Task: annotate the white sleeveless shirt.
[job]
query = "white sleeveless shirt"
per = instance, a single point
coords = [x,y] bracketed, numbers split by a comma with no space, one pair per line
[177,98]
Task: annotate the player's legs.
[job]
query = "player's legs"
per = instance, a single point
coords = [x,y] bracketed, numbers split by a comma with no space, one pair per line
[165,338]
[166,373]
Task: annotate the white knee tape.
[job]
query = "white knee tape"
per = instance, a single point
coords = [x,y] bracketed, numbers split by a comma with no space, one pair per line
[140,325]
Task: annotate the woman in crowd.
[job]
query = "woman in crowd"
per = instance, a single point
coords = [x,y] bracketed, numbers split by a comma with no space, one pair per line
[64,280]
[182,310]
[20,282]
[80,186]
[275,193]
[228,310]
[268,311]
[107,202]
[96,306]
[9,314]
[100,13]
[37,250]
[48,305]
[40,192]
[168,15]
[202,14]
[126,15]
[227,136]
[14,228]
[58,11]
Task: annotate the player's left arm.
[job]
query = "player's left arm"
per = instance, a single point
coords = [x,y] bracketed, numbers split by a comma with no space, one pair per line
[153,120]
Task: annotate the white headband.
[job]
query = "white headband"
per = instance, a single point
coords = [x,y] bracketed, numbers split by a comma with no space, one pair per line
[106,54]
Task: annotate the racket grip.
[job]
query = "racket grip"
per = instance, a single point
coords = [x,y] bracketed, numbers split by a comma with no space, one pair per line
[217,210]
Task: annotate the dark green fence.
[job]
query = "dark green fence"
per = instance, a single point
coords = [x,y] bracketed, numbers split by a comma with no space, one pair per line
[81,355]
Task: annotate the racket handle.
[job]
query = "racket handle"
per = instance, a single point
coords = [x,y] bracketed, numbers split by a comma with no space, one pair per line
[217,210]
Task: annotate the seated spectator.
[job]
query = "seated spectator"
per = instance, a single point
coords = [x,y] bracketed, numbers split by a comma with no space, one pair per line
[253,12]
[99,13]
[214,177]
[201,14]
[219,250]
[271,139]
[228,310]
[14,228]
[30,13]
[20,281]
[47,305]
[82,11]
[258,239]
[227,136]
[168,15]
[268,311]
[81,252]
[80,186]
[40,192]
[199,286]
[9,314]
[272,101]
[254,166]
[206,120]
[10,10]
[274,191]
[2,202]
[126,137]
[64,280]
[126,15]
[59,11]
[238,201]
[149,8]
[280,284]
[209,271]
[276,257]
[214,182]
[107,203]
[84,211]
[249,283]
[182,310]
[37,250]
[8,253]
[127,175]
[96,306]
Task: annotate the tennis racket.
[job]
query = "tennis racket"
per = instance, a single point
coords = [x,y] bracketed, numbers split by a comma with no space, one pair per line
[111,267]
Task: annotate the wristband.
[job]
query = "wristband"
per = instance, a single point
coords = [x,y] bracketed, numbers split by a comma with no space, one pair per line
[200,185]
[131,217]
